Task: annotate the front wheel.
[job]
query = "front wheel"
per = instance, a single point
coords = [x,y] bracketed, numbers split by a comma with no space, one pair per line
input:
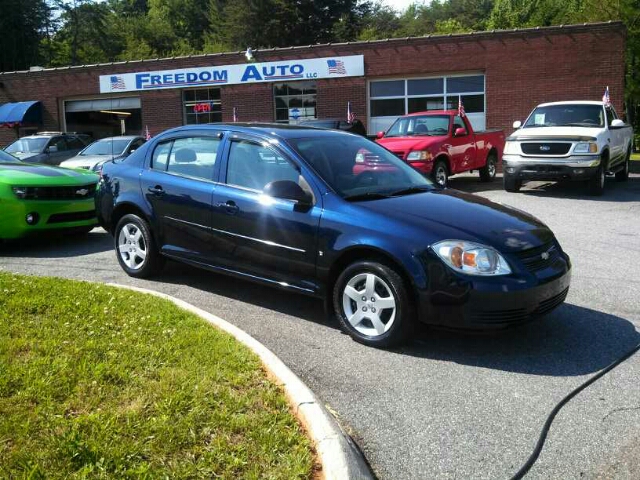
[623,175]
[372,304]
[595,185]
[440,173]
[135,247]
[512,184]
[488,172]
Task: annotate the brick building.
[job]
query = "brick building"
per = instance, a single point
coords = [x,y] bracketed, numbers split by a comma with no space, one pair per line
[499,75]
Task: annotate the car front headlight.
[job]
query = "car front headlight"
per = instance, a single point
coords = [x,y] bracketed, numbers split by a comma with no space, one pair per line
[589,147]
[471,258]
[419,155]
[511,148]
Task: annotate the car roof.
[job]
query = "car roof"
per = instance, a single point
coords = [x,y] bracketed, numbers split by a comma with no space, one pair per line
[578,102]
[119,137]
[280,130]
[53,134]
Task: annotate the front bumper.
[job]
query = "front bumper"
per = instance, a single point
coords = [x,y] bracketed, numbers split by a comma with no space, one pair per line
[466,302]
[51,214]
[545,168]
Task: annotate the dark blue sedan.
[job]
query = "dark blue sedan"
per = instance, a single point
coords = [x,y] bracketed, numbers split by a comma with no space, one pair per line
[294,208]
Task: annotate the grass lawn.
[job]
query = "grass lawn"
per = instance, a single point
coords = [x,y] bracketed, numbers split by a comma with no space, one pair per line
[98,382]
[635,156]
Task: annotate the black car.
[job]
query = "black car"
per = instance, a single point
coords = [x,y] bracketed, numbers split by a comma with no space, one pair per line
[336,124]
[288,207]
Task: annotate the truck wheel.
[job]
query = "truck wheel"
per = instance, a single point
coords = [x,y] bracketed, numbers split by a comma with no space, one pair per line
[596,184]
[440,173]
[512,184]
[623,175]
[488,172]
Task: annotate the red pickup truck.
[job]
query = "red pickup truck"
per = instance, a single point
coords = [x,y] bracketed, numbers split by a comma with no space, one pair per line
[442,143]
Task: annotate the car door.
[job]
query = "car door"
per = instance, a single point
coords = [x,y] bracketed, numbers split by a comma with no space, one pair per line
[463,149]
[271,238]
[177,183]
[55,151]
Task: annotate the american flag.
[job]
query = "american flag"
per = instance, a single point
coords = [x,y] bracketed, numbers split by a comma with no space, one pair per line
[460,107]
[235,114]
[606,99]
[147,135]
[337,67]
[117,83]
[350,115]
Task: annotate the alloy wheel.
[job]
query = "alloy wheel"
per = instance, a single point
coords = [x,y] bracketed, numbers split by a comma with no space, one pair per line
[132,247]
[369,304]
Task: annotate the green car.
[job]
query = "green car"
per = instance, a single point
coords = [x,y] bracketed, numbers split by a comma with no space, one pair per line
[38,198]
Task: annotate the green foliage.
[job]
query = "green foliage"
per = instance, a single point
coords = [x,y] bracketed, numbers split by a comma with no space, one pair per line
[98,382]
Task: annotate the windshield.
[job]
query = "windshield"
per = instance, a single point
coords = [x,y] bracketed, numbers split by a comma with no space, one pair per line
[419,125]
[566,116]
[27,145]
[359,169]
[106,147]
[6,158]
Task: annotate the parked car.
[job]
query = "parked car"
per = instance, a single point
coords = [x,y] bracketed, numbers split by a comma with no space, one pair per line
[281,205]
[336,124]
[568,141]
[39,198]
[93,156]
[442,143]
[49,148]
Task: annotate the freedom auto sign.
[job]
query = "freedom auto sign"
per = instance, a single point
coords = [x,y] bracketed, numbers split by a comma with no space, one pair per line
[287,70]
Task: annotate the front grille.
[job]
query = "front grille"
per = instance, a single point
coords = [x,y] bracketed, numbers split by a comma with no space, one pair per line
[539,258]
[79,192]
[545,148]
[72,217]
[549,304]
[496,317]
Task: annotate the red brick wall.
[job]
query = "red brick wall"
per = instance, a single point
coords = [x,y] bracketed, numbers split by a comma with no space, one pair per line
[522,68]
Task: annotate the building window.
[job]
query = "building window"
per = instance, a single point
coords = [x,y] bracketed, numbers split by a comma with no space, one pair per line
[389,99]
[295,101]
[202,106]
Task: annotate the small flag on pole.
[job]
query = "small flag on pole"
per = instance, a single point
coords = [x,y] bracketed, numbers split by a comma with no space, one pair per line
[606,99]
[461,111]
[350,115]
[147,135]
[235,114]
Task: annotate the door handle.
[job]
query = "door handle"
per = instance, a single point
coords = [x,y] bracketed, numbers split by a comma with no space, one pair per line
[229,207]
[157,190]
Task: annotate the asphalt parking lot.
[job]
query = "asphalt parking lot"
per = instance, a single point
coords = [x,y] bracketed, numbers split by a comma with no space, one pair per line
[450,405]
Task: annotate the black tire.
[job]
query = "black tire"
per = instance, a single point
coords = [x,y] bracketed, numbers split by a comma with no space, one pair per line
[488,172]
[388,281]
[152,262]
[595,184]
[512,184]
[623,175]
[440,173]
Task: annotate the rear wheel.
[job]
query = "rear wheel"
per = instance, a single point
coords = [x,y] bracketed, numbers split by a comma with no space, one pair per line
[488,172]
[623,175]
[440,173]
[135,247]
[372,304]
[512,184]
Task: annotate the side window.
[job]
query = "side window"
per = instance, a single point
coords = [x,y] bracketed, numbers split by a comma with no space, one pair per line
[161,156]
[194,157]
[136,145]
[59,143]
[253,166]
[610,115]
[459,123]
[75,143]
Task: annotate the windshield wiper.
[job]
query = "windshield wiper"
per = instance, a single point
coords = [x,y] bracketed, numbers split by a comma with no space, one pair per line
[578,124]
[409,191]
[365,196]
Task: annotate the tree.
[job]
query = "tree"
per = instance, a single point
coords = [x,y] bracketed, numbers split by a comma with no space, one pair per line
[23,26]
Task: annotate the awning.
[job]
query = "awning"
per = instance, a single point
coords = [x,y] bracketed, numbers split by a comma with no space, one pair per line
[18,113]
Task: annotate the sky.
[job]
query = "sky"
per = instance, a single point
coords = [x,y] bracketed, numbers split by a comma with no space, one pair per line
[401,5]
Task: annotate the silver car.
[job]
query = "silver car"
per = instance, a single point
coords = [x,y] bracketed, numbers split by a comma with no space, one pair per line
[103,150]
[49,148]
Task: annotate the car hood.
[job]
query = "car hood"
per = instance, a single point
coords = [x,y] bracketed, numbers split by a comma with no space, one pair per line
[551,132]
[450,212]
[80,161]
[404,144]
[27,175]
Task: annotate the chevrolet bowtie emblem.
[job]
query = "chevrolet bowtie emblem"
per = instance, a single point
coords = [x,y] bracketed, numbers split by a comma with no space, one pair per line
[545,255]
[82,192]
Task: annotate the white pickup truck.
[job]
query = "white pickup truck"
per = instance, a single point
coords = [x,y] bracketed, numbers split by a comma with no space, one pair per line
[568,141]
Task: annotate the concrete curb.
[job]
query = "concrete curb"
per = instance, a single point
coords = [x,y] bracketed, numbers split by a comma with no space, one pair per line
[339,456]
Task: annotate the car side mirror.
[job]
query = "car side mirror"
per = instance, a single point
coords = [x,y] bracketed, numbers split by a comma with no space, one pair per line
[617,123]
[51,149]
[379,134]
[287,190]
[460,132]
[517,124]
